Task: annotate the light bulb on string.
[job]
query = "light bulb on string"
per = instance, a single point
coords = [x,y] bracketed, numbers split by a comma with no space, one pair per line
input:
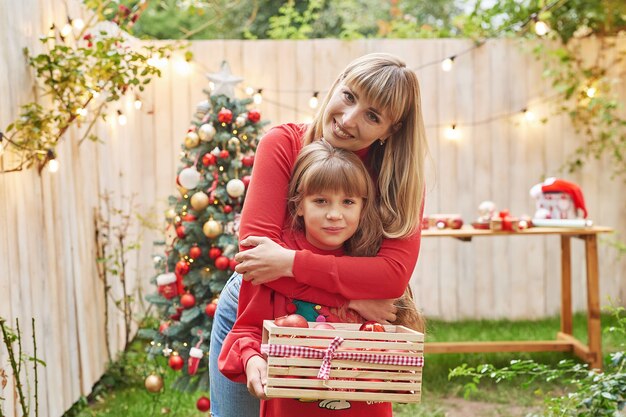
[541,28]
[452,132]
[81,111]
[446,64]
[211,85]
[53,164]
[258,97]
[78,23]
[591,92]
[529,116]
[313,101]
[182,67]
[138,103]
[121,118]
[249,90]
[66,30]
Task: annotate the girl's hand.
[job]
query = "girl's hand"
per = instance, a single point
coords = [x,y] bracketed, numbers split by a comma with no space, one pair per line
[381,311]
[256,371]
[265,262]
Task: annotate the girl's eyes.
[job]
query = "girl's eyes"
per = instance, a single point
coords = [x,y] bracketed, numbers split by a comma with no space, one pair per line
[319,201]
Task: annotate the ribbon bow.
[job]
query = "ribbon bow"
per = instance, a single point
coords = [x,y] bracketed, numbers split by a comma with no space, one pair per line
[330,353]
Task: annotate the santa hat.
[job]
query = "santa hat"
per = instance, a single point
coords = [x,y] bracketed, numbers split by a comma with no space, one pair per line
[556,185]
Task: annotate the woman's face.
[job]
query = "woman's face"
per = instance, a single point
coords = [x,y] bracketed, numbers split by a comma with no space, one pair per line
[352,123]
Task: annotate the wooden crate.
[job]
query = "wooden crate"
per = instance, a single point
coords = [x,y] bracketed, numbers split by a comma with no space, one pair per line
[296,377]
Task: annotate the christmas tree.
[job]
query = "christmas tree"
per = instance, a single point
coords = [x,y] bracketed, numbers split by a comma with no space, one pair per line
[216,160]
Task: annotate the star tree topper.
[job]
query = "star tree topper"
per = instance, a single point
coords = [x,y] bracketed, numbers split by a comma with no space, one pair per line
[224,81]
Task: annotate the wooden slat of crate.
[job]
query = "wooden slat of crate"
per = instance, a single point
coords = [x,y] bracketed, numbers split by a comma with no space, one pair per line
[300,393]
[383,346]
[343,373]
[337,363]
[340,384]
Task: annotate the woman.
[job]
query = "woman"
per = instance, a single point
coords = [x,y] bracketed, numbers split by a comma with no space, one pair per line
[372,109]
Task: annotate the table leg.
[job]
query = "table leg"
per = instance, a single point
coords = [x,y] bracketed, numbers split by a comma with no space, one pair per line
[593,303]
[566,285]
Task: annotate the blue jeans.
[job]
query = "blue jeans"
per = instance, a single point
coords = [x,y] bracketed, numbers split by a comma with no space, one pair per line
[228,398]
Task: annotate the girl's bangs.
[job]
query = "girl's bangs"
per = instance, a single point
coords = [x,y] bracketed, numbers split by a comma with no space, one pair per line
[334,176]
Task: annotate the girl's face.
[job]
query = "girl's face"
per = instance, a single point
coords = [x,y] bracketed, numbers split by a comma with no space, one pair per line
[352,123]
[330,218]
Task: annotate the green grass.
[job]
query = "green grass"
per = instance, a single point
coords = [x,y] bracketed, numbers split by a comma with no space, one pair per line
[121,391]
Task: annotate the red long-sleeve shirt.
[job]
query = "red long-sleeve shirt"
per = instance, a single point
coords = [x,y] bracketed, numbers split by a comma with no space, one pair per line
[317,278]
[244,341]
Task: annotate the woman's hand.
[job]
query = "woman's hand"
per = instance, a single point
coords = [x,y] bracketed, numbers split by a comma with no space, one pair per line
[256,371]
[381,311]
[265,262]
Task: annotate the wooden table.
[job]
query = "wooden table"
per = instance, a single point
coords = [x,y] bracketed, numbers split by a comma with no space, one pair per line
[565,341]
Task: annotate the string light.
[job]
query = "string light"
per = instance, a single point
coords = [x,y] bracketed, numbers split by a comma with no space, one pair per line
[211,85]
[452,132]
[121,118]
[1,143]
[541,28]
[67,29]
[138,103]
[82,112]
[258,98]
[53,164]
[182,67]
[249,90]
[528,115]
[591,92]
[313,101]
[447,63]
[78,24]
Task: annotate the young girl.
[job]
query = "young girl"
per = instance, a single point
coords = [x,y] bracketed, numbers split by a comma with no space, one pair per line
[332,203]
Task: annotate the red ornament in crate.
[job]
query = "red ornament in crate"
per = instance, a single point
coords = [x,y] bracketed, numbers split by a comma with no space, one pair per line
[166,285]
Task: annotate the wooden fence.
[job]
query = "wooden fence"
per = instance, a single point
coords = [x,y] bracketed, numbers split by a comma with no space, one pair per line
[47,249]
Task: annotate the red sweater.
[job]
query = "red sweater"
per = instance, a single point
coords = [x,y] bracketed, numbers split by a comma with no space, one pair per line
[324,279]
[244,341]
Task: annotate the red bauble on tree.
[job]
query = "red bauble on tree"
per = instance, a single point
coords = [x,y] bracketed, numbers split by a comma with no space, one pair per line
[227,209]
[208,159]
[254,116]
[182,267]
[210,309]
[176,362]
[214,253]
[189,218]
[222,263]
[187,300]
[225,115]
[180,231]
[224,154]
[232,264]
[163,327]
[203,404]
[246,180]
[195,252]
[247,161]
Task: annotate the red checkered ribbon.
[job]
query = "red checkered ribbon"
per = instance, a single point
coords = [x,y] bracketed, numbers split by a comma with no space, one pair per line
[327,355]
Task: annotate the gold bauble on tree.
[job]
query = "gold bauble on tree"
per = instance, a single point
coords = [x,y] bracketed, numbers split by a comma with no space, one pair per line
[212,229]
[170,213]
[199,201]
[154,383]
[192,140]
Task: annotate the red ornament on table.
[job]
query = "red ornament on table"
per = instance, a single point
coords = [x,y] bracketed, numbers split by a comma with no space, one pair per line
[254,116]
[215,253]
[247,161]
[210,309]
[176,362]
[203,404]
[225,115]
[222,263]
[195,252]
[209,159]
[182,267]
[187,300]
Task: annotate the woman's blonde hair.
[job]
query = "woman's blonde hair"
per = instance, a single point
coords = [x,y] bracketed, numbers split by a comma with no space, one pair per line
[322,168]
[386,82]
